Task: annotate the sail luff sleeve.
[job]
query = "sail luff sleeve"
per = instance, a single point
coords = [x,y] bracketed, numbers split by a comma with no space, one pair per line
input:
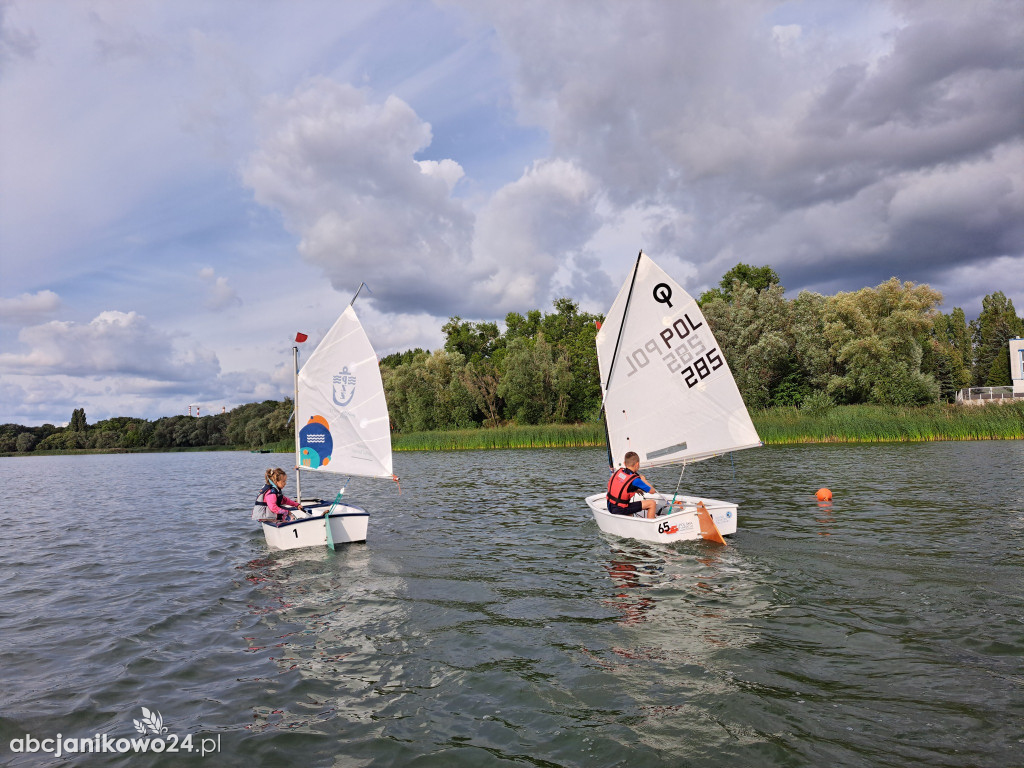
[622,325]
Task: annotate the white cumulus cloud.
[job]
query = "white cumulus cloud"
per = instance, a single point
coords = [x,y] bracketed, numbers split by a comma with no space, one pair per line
[341,169]
[121,343]
[29,307]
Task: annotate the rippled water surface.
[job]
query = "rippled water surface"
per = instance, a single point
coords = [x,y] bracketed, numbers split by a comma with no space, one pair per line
[487,621]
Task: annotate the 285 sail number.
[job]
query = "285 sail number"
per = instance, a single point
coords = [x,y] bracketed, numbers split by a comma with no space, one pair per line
[702,368]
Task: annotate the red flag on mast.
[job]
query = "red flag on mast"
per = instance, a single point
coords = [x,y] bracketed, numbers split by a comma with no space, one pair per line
[300,337]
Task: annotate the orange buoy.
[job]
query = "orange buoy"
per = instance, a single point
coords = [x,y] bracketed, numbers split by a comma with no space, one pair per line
[824,494]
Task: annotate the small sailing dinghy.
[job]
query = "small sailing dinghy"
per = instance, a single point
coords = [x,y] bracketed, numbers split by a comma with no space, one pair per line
[669,397]
[341,428]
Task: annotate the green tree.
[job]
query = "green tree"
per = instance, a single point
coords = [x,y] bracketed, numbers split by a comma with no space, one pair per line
[26,442]
[474,341]
[78,422]
[758,278]
[874,337]
[253,425]
[396,359]
[258,433]
[572,334]
[811,349]
[999,374]
[754,332]
[240,417]
[133,437]
[537,383]
[105,439]
[429,393]
[991,332]
[482,381]
[163,431]
[519,327]
[948,353]
[62,441]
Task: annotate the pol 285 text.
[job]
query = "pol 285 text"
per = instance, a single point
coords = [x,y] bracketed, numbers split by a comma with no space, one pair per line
[685,353]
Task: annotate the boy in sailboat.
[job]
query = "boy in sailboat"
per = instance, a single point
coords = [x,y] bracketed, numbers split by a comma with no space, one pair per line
[271,503]
[624,482]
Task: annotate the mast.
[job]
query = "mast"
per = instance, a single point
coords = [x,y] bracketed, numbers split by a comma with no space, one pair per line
[361,286]
[295,406]
[622,325]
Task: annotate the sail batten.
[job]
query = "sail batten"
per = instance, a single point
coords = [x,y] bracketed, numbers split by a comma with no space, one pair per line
[668,392]
[341,409]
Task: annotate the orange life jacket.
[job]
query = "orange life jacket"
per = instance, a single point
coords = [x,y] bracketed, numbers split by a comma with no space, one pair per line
[619,494]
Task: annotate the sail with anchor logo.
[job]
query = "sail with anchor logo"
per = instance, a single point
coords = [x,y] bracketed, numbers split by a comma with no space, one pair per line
[344,427]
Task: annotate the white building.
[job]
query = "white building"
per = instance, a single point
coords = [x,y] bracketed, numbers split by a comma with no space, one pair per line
[1017,366]
[985,395]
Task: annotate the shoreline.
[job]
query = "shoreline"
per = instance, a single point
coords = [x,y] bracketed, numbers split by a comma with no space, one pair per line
[777,426]
[833,440]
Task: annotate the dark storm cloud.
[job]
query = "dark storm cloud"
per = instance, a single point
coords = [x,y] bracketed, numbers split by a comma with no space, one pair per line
[841,157]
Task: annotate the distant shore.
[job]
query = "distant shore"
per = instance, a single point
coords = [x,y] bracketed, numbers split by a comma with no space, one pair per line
[776,426]
[88,451]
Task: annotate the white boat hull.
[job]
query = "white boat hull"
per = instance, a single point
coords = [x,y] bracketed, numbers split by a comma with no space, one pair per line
[681,525]
[348,524]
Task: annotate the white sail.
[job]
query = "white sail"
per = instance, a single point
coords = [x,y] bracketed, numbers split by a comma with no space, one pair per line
[342,413]
[668,393]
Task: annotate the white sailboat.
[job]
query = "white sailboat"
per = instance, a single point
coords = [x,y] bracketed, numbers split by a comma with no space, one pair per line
[341,428]
[670,397]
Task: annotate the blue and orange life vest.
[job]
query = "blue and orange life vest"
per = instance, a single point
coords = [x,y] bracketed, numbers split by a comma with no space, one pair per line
[619,494]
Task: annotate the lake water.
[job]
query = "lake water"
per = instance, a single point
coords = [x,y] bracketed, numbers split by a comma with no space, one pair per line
[487,621]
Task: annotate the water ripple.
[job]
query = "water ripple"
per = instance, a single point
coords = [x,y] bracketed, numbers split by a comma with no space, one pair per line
[488,622]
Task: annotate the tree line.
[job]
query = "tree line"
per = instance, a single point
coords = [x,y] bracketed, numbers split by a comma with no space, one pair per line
[887,345]
[542,369]
[251,425]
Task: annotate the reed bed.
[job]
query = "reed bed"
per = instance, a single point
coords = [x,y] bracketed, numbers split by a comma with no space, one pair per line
[281,446]
[541,436]
[887,424]
[776,426]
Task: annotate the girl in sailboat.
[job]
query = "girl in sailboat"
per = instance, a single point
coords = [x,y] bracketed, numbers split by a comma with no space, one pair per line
[271,503]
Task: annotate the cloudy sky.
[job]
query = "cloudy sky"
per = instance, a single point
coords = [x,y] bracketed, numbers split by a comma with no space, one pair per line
[184,185]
